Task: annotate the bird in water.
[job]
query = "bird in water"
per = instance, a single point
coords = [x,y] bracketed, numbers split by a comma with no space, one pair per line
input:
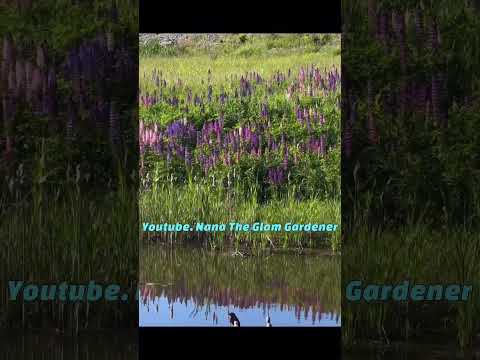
[234,320]
[269,323]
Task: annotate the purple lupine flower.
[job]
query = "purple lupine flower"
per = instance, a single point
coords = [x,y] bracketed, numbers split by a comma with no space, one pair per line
[8,52]
[306,115]
[179,150]
[274,146]
[299,115]
[322,120]
[255,142]
[52,79]
[275,176]
[11,86]
[301,76]
[20,76]
[264,110]
[114,125]
[51,105]
[71,121]
[28,79]
[271,176]
[246,134]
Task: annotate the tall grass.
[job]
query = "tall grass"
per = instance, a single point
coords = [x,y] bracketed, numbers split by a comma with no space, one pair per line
[70,235]
[410,174]
[212,204]
[422,254]
[66,213]
[195,68]
[271,156]
[242,45]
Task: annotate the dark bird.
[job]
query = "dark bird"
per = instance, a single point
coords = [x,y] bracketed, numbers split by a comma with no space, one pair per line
[269,323]
[234,320]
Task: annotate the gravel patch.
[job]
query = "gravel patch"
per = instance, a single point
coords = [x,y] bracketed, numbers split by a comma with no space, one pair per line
[174,39]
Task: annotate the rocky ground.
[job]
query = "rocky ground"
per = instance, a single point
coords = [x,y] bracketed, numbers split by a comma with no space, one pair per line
[173,39]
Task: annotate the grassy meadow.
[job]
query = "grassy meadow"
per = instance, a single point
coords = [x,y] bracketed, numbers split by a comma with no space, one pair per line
[243,130]
[410,206]
[264,54]
[68,159]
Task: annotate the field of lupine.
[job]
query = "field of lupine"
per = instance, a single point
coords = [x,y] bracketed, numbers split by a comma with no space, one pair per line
[224,139]
[67,130]
[410,184]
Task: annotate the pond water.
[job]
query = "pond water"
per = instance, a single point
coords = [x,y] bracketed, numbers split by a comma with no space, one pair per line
[179,313]
[191,286]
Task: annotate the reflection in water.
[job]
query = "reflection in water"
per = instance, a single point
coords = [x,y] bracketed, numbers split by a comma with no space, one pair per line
[186,286]
[188,313]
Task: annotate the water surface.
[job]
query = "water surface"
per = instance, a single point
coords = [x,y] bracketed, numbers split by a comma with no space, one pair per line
[192,286]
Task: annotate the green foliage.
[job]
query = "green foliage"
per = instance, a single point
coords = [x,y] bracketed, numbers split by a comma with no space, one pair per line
[173,190]
[69,25]
[410,205]
[67,207]
[245,45]
[211,203]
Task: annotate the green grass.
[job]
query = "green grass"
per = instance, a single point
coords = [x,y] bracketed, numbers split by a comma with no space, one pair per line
[53,227]
[235,61]
[74,238]
[425,249]
[210,204]
[314,198]
[421,254]
[244,45]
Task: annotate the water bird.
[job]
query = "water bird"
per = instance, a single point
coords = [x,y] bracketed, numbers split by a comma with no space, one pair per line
[269,323]
[234,320]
